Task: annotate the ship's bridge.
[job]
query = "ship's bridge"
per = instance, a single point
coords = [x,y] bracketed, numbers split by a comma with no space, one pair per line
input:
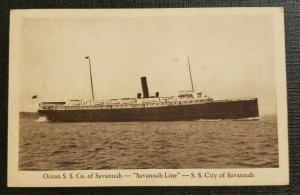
[190,95]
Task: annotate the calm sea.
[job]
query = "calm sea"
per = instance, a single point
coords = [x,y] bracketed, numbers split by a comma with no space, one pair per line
[143,145]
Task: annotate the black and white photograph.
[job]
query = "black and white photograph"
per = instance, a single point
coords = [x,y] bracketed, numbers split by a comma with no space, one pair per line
[147,97]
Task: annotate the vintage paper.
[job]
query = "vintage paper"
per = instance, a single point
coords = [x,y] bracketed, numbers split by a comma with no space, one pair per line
[234,53]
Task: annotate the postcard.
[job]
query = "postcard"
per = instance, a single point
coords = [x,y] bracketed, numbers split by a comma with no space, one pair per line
[147,97]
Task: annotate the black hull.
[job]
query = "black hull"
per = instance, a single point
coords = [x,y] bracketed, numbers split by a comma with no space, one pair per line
[213,110]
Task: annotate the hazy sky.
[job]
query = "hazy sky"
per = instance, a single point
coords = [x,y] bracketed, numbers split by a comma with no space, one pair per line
[232,56]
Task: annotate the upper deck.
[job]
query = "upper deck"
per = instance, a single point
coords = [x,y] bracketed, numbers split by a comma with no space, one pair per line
[184,98]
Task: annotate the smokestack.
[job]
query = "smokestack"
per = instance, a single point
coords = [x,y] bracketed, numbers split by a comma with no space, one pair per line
[145,87]
[139,96]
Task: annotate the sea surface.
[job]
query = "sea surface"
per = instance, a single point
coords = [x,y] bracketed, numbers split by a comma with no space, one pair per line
[47,145]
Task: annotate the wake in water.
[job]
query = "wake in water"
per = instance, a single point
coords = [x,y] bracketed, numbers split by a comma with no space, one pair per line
[42,119]
[248,119]
[242,119]
[208,120]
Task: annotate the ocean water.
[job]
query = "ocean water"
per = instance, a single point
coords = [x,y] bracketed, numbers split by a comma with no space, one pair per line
[47,145]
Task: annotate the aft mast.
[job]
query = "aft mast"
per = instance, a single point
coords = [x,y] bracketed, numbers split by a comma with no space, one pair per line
[189,65]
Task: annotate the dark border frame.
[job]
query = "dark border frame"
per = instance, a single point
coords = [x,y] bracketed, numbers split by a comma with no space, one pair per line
[292,42]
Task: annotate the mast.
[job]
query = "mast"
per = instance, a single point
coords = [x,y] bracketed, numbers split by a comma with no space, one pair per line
[190,74]
[88,57]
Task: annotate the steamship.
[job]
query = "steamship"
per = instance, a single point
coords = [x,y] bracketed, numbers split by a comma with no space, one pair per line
[187,105]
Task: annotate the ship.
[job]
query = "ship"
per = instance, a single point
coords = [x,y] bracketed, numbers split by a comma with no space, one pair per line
[187,105]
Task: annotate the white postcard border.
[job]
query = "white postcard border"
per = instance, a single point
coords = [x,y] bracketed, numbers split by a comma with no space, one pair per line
[262,176]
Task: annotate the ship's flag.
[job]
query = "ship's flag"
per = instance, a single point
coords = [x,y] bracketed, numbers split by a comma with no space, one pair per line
[34,97]
[87,57]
